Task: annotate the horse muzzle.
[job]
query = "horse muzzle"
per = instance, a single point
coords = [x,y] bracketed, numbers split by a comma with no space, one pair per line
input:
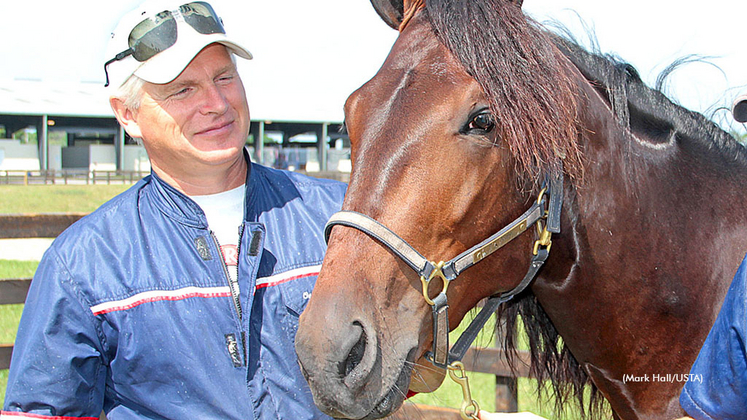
[346,370]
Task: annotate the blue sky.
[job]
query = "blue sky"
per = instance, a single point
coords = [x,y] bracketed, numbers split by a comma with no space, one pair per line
[310,55]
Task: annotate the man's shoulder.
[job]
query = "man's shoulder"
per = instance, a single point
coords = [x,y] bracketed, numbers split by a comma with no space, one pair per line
[298,177]
[306,185]
[113,214]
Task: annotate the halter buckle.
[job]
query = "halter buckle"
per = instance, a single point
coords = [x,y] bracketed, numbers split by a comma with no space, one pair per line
[545,236]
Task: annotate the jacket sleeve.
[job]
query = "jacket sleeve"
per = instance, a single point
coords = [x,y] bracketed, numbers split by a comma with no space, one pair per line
[717,386]
[57,367]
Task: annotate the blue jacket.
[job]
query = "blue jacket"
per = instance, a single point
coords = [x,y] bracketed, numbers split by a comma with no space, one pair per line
[130,310]
[717,386]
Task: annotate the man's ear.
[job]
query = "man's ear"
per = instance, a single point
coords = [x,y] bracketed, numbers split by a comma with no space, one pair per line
[127,118]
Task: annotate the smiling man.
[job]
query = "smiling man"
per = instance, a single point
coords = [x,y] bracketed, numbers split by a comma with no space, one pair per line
[179,298]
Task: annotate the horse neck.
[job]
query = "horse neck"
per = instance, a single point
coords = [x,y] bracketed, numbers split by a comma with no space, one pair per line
[650,247]
[661,192]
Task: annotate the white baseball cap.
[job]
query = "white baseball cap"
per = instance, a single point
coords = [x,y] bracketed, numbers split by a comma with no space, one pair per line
[739,110]
[159,39]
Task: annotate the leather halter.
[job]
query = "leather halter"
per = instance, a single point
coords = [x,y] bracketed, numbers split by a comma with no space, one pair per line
[441,356]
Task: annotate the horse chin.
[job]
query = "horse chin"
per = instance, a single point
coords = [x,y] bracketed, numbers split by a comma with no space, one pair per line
[396,395]
[393,399]
[425,377]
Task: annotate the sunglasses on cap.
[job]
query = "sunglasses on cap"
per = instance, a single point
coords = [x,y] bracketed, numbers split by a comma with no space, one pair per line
[159,32]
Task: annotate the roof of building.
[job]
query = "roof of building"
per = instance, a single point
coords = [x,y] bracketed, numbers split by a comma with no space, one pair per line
[266,102]
[33,97]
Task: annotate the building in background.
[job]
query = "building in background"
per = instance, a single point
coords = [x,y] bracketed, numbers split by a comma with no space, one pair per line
[49,127]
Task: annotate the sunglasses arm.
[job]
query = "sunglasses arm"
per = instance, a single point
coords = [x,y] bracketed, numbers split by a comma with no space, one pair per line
[117,57]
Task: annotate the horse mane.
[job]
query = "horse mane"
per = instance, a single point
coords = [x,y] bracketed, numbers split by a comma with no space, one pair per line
[524,77]
[644,110]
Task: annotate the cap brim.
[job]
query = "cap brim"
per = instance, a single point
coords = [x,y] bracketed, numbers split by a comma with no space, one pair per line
[169,64]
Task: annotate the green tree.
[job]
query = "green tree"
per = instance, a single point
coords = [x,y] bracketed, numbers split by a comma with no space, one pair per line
[26,135]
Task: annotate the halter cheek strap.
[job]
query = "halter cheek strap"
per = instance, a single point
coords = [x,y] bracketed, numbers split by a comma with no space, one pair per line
[441,355]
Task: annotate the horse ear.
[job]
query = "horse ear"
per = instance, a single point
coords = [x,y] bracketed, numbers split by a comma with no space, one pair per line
[391,11]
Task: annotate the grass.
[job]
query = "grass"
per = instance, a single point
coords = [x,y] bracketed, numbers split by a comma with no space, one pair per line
[482,385]
[448,395]
[17,269]
[10,315]
[55,198]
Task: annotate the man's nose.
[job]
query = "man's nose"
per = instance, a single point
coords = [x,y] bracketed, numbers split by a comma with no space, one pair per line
[214,100]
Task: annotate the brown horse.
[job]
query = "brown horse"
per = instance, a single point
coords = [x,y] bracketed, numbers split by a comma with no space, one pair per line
[475,107]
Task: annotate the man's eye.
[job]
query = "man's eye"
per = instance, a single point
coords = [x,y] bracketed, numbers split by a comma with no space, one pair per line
[180,92]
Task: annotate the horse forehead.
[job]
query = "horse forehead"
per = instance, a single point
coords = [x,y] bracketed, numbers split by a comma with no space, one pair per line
[419,78]
[418,47]
[418,66]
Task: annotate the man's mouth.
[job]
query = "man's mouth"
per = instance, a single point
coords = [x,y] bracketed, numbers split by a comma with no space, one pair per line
[216,129]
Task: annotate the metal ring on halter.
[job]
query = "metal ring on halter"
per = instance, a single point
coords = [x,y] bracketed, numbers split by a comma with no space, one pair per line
[437,271]
[542,193]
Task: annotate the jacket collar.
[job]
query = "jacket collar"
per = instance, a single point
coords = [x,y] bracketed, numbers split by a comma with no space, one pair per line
[177,206]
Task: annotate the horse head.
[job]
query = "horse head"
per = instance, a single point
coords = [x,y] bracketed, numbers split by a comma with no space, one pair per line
[474,113]
[435,161]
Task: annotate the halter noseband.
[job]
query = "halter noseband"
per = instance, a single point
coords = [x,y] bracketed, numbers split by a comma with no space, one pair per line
[441,356]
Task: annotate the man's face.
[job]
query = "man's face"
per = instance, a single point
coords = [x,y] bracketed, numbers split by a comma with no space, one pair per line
[200,120]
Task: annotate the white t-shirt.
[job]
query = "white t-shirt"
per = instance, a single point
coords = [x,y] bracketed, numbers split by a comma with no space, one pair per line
[225,213]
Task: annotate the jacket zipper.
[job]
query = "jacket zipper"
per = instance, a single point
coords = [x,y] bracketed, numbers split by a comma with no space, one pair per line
[238,302]
[231,284]
[238,254]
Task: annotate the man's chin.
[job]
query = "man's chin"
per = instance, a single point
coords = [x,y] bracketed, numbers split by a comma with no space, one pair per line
[229,155]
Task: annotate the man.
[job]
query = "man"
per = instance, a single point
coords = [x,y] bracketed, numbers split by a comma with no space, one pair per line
[180,298]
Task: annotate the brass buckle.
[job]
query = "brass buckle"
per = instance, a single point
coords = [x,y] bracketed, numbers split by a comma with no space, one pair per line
[545,236]
[437,271]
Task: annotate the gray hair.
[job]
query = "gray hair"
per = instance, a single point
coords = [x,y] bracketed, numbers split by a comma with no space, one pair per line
[131,92]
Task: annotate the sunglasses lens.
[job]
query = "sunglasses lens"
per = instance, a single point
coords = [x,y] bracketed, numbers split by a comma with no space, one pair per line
[152,36]
[158,33]
[201,16]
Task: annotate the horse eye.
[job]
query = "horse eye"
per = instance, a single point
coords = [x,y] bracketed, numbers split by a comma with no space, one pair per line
[483,122]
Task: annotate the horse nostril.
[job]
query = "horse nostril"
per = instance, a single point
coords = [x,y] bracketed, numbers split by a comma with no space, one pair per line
[356,353]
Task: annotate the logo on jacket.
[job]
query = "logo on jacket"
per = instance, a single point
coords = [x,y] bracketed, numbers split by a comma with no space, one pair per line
[230,254]
[202,248]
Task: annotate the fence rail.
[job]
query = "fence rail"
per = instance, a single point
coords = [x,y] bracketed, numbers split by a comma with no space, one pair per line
[489,360]
[70,176]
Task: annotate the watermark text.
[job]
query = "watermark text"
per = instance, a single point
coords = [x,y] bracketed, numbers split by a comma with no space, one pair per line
[663,377]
